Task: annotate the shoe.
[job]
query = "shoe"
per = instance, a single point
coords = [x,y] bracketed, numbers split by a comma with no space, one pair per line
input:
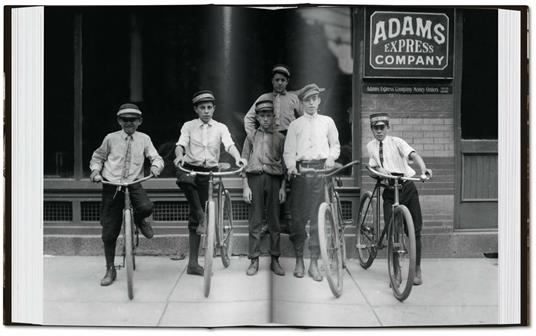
[313,270]
[109,277]
[195,270]
[299,270]
[418,277]
[253,267]
[146,229]
[201,228]
[276,267]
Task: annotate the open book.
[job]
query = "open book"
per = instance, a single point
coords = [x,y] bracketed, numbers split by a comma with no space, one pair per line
[452,82]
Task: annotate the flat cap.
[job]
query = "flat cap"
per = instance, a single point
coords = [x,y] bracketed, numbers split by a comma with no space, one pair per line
[266,105]
[309,90]
[129,108]
[282,69]
[203,96]
[379,119]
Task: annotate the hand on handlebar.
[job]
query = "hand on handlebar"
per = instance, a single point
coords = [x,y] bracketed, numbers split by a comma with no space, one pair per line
[242,162]
[330,163]
[155,171]
[178,162]
[292,173]
[426,175]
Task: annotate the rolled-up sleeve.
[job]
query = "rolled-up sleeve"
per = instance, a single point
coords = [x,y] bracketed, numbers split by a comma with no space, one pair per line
[333,138]
[289,153]
[226,138]
[100,155]
[152,154]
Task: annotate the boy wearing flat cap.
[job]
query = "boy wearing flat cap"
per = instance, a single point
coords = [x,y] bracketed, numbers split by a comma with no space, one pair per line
[119,159]
[198,149]
[264,184]
[312,142]
[392,155]
[286,104]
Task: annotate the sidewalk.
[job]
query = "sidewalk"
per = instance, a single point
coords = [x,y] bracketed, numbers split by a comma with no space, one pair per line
[455,292]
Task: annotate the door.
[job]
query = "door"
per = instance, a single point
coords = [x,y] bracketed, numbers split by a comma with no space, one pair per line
[478,122]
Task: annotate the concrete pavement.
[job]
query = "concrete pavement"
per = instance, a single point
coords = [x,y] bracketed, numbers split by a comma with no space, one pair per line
[455,292]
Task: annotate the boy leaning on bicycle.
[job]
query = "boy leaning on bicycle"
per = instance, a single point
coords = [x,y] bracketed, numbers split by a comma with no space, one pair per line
[120,159]
[198,149]
[392,155]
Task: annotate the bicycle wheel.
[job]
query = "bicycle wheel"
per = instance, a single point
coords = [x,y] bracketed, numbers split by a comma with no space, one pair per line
[129,255]
[209,249]
[224,229]
[401,252]
[337,208]
[365,234]
[330,248]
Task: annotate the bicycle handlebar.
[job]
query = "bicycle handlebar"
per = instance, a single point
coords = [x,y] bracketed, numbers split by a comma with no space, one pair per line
[126,184]
[392,177]
[209,173]
[330,171]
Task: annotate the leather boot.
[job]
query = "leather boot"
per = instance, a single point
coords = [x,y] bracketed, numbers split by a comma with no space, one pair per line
[299,270]
[314,272]
[418,276]
[109,277]
[253,267]
[146,229]
[193,266]
[276,267]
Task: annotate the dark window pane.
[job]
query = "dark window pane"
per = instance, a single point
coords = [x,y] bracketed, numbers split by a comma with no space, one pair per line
[479,80]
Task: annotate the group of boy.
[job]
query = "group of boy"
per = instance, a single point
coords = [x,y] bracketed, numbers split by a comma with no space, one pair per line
[290,135]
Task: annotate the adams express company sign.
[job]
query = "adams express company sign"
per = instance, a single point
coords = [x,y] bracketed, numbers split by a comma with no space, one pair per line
[408,44]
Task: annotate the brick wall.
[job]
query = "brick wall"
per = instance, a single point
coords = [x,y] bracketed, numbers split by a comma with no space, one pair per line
[426,123]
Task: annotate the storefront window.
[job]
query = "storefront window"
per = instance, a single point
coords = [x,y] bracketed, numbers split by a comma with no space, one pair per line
[479,80]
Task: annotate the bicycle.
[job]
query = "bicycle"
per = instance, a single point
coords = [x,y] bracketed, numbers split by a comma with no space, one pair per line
[221,225]
[331,226]
[401,244]
[130,233]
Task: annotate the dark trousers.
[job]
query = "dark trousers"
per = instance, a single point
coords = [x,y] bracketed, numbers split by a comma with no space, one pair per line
[265,194]
[112,214]
[196,191]
[409,197]
[307,193]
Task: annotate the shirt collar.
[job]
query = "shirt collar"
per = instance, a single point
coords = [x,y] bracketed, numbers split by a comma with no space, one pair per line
[310,117]
[125,136]
[282,93]
[210,123]
[270,131]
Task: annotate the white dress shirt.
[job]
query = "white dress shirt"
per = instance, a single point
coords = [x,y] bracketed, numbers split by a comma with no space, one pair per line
[311,137]
[395,155]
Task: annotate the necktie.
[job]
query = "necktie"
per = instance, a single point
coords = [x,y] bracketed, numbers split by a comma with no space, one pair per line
[204,135]
[277,109]
[381,154]
[128,157]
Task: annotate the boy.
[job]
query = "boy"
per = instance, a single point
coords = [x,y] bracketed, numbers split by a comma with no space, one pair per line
[198,149]
[312,142]
[286,104]
[120,159]
[264,185]
[391,155]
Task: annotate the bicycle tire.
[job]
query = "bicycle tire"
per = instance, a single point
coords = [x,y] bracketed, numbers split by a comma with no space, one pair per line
[224,229]
[330,248]
[342,241]
[365,235]
[129,255]
[209,247]
[401,252]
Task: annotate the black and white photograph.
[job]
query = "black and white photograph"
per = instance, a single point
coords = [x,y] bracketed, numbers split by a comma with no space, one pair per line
[301,166]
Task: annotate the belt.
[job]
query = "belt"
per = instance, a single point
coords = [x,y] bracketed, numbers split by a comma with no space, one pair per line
[312,163]
[200,168]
